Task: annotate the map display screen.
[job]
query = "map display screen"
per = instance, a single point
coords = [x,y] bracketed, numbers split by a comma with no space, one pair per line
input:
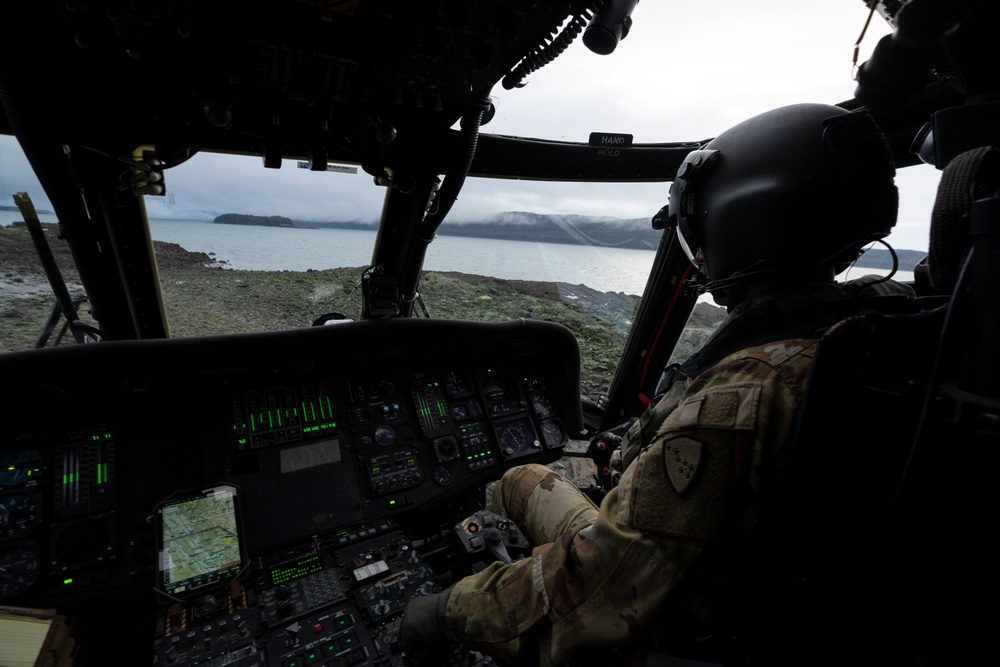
[199,540]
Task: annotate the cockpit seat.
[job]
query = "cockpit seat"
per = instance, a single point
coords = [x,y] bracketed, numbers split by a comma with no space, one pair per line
[876,546]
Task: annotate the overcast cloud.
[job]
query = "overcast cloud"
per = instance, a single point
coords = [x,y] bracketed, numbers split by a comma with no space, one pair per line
[686,72]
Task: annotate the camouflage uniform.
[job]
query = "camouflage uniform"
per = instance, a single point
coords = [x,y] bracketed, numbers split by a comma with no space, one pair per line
[695,468]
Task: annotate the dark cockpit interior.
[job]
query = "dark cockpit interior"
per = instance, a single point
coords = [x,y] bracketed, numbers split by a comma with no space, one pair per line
[277,498]
[331,441]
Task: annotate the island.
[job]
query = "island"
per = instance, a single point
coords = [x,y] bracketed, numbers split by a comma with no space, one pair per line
[258,220]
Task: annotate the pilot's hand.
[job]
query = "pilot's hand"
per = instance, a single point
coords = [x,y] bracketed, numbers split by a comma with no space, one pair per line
[424,631]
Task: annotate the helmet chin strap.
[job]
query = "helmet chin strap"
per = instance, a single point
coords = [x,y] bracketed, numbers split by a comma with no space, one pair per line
[756,272]
[759,272]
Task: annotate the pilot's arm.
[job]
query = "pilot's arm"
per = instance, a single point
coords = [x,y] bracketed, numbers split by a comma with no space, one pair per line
[695,486]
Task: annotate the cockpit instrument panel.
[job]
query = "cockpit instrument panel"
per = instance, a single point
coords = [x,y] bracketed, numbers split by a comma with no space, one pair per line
[256,499]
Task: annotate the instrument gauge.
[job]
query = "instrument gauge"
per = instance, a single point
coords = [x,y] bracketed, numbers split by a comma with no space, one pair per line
[17,468]
[443,475]
[501,394]
[554,433]
[19,515]
[19,567]
[516,437]
[497,389]
[385,435]
[458,384]
[542,405]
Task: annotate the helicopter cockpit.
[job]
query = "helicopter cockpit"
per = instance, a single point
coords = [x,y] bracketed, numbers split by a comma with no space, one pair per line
[277,497]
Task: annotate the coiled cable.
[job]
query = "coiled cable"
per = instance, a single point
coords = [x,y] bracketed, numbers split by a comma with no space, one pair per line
[550,50]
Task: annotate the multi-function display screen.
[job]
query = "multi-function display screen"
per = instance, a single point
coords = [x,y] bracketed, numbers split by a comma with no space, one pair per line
[199,540]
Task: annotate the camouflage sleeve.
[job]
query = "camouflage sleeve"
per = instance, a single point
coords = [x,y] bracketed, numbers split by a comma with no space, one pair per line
[594,586]
[602,584]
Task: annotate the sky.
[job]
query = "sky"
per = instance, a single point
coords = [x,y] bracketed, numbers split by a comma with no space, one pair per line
[685,72]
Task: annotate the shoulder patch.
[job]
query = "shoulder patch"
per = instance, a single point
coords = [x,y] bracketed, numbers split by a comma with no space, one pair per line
[682,487]
[682,457]
[727,406]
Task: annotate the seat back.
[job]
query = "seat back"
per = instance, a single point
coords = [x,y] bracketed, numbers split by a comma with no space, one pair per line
[876,546]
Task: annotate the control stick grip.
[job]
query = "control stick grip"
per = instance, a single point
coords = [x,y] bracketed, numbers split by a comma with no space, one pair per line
[488,531]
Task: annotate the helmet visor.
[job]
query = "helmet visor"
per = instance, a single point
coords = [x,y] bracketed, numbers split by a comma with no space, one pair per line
[683,196]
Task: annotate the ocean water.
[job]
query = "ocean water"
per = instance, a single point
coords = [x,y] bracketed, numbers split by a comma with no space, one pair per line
[276,249]
[282,249]
[8,218]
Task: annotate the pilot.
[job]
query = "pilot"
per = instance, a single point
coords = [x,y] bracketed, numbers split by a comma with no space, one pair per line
[768,212]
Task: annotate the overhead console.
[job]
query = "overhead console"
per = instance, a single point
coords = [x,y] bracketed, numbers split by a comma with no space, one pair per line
[315,466]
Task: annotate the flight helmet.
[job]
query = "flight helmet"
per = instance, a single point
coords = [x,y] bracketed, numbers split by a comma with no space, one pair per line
[784,192]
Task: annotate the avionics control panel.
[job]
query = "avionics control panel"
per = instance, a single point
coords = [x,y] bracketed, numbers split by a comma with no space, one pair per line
[351,450]
[323,453]
[333,599]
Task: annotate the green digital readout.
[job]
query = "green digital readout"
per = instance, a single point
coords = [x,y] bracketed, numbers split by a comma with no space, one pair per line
[306,566]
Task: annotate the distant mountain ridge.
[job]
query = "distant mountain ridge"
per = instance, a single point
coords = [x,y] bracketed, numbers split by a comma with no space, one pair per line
[879,258]
[548,228]
[5,207]
[635,233]
[541,228]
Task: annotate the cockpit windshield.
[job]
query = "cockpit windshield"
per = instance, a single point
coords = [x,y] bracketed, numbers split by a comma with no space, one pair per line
[241,248]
